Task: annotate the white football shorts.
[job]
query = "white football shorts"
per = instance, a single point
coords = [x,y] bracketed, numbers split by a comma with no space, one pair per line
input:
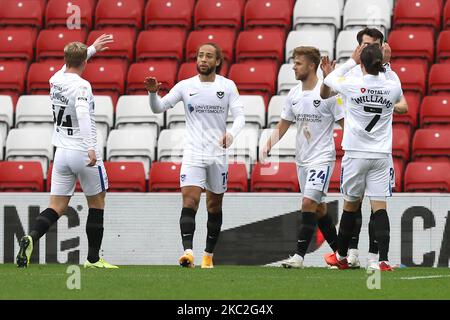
[211,175]
[369,177]
[315,180]
[69,165]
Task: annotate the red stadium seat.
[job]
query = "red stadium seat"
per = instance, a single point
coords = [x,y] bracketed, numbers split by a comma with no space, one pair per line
[224,38]
[39,75]
[411,117]
[161,44]
[447,15]
[335,180]
[237,177]
[21,176]
[217,13]
[412,75]
[338,135]
[400,143]
[106,79]
[17,44]
[435,112]
[189,69]
[61,12]
[51,43]
[121,48]
[119,13]
[165,177]
[443,47]
[261,44]
[12,78]
[126,176]
[427,177]
[255,78]
[439,80]
[412,44]
[21,13]
[275,177]
[399,169]
[420,13]
[165,71]
[169,13]
[431,144]
[271,13]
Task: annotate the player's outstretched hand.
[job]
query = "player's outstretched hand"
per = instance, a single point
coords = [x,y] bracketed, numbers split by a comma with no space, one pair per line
[387,52]
[326,66]
[226,140]
[151,84]
[356,55]
[100,43]
[92,158]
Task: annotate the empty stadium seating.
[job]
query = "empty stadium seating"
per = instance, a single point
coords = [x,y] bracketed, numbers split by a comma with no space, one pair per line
[176,116]
[275,177]
[39,75]
[443,47]
[320,39]
[284,150]
[161,44]
[446,21]
[431,144]
[418,13]
[275,107]
[126,176]
[17,44]
[12,78]
[60,13]
[165,13]
[370,13]
[21,13]
[237,178]
[6,117]
[34,111]
[427,177]
[171,145]
[216,13]
[106,79]
[268,14]
[412,76]
[119,14]
[254,111]
[335,180]
[244,148]
[439,81]
[104,116]
[311,13]
[435,112]
[165,177]
[260,44]
[18,176]
[50,43]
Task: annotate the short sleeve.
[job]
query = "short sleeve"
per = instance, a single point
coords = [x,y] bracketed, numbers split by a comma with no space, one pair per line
[287,113]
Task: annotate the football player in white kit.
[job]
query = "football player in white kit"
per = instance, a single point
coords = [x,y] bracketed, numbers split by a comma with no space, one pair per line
[207,98]
[315,150]
[369,36]
[77,156]
[367,141]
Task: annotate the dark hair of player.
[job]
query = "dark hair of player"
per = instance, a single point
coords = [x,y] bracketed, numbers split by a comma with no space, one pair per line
[371,32]
[372,59]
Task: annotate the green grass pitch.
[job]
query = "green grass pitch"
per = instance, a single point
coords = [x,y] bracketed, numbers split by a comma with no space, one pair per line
[223,282]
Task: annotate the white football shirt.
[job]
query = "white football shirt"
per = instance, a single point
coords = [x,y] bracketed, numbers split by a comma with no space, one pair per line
[206,107]
[68,90]
[315,118]
[370,104]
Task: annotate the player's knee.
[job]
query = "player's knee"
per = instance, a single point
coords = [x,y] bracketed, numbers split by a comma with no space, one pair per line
[321,210]
[214,205]
[351,206]
[309,205]
[97,201]
[190,202]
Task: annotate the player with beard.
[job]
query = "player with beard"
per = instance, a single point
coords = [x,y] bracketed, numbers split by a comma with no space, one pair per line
[207,97]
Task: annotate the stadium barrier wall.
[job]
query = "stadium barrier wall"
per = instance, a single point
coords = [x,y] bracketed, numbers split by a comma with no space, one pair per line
[258,229]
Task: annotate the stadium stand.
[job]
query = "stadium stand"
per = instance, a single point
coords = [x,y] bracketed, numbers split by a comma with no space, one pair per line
[6,118]
[268,14]
[173,13]
[165,177]
[18,176]
[21,13]
[275,177]
[435,112]
[126,176]
[427,177]
[56,13]
[50,43]
[237,177]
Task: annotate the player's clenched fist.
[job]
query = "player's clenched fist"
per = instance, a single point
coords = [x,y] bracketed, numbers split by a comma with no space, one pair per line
[152,84]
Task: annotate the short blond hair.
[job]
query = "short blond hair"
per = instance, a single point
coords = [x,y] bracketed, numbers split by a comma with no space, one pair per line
[313,54]
[75,53]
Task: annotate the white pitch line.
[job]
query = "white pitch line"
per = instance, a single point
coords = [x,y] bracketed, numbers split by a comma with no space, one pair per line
[425,277]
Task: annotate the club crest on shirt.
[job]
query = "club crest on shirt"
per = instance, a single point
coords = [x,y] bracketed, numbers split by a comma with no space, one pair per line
[183,177]
[363,90]
[316,103]
[220,94]
[190,108]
